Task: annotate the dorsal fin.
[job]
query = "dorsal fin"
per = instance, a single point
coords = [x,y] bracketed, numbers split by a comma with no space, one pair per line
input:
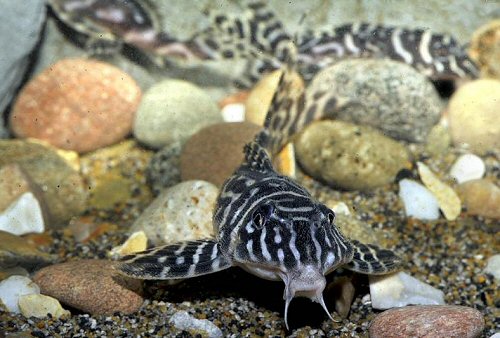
[257,158]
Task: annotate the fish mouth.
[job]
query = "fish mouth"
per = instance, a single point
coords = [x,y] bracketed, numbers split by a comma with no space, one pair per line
[305,281]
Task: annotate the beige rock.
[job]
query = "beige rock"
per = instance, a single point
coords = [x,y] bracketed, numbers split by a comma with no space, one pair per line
[485,49]
[447,198]
[342,291]
[473,115]
[481,197]
[284,161]
[135,243]
[259,99]
[40,306]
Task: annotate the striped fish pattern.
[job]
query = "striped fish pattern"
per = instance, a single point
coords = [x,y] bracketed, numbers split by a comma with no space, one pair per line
[267,223]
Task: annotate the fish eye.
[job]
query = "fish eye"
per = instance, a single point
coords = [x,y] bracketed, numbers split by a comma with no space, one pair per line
[258,220]
[261,215]
[331,217]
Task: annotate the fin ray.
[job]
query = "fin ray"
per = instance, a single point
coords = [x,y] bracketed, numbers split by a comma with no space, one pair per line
[370,259]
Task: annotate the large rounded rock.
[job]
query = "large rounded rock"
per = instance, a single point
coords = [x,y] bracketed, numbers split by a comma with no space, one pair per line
[481,197]
[473,115]
[180,213]
[349,156]
[77,104]
[216,151]
[92,286]
[428,321]
[388,95]
[173,110]
[61,186]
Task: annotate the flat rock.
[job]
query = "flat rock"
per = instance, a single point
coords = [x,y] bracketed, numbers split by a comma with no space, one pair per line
[12,288]
[23,216]
[401,289]
[62,187]
[40,306]
[349,156]
[468,167]
[438,321]
[182,212]
[481,197]
[77,104]
[388,95]
[17,251]
[215,152]
[173,110]
[136,242]
[476,105]
[92,286]
[418,201]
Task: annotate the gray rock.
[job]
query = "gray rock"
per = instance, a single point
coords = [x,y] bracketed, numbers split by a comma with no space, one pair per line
[183,321]
[387,95]
[163,170]
[20,24]
[493,266]
[349,156]
[173,110]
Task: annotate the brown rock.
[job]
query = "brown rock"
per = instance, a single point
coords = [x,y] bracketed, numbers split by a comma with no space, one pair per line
[77,104]
[342,291]
[92,286]
[214,153]
[17,251]
[430,321]
[481,197]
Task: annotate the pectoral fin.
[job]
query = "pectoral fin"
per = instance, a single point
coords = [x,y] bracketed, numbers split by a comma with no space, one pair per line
[372,260]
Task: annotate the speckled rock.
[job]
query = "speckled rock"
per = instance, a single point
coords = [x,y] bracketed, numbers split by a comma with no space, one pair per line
[40,306]
[92,286]
[349,156]
[215,152]
[163,170]
[173,110]
[62,187]
[385,94]
[441,321]
[476,105]
[481,197]
[17,251]
[485,49]
[77,104]
[182,212]
[259,99]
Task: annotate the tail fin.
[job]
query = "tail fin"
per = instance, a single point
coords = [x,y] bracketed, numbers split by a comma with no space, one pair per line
[182,260]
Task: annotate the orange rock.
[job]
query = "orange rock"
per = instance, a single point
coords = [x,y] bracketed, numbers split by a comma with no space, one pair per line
[77,104]
[238,97]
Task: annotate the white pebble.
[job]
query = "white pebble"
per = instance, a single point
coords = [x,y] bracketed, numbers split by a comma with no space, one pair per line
[12,288]
[234,112]
[468,167]
[418,201]
[401,289]
[23,216]
[183,321]
[493,266]
[496,335]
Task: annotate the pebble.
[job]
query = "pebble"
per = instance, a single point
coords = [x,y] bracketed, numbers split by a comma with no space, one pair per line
[493,266]
[468,167]
[23,216]
[184,321]
[216,151]
[62,187]
[17,251]
[17,18]
[447,198]
[173,110]
[234,112]
[342,291]
[481,197]
[438,321]
[136,242]
[418,201]
[77,104]
[259,99]
[349,156]
[496,335]
[284,162]
[40,306]
[92,286]
[163,171]
[12,288]
[182,212]
[484,49]
[388,95]
[401,289]
[476,105]
[438,140]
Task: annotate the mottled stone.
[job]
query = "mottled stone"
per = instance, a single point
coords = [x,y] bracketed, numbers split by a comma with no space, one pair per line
[77,104]
[473,115]
[215,152]
[388,95]
[481,197]
[41,306]
[92,286]
[182,212]
[439,321]
[62,187]
[349,156]
[173,110]
[17,251]
[163,171]
[485,49]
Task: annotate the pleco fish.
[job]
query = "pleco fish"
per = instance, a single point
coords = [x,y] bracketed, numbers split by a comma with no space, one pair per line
[266,223]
